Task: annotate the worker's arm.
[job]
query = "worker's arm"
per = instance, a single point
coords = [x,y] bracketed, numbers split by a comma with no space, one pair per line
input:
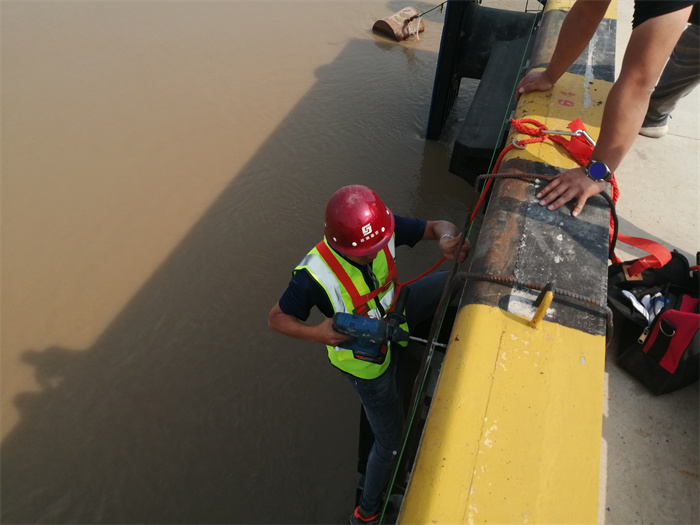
[448,236]
[578,28]
[649,47]
[291,326]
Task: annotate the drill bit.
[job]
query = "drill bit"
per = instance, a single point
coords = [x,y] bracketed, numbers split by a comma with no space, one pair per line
[425,341]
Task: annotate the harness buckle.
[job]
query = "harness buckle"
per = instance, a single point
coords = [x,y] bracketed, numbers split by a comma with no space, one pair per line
[361,310]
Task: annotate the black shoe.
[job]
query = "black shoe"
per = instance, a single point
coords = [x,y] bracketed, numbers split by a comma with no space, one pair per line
[654,128]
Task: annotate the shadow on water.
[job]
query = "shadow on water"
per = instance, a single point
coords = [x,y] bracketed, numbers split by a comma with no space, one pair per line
[187,409]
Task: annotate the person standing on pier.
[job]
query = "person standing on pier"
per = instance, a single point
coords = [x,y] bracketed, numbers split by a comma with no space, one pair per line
[354,262]
[681,76]
[656,28]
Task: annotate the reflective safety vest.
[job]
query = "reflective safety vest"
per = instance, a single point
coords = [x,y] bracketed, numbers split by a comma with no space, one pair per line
[348,292]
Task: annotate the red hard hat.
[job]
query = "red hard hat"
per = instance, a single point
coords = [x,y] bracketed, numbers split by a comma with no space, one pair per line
[357,221]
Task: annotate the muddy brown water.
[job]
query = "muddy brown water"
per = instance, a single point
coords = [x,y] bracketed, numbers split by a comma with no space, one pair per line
[164,167]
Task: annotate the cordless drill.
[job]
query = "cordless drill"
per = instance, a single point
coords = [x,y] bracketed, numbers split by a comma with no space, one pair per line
[371,336]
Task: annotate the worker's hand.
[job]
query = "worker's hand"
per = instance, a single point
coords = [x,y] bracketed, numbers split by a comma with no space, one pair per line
[325,334]
[534,81]
[448,247]
[569,185]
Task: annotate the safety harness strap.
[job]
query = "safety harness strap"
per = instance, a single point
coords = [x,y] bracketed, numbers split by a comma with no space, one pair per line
[359,302]
[658,254]
[579,148]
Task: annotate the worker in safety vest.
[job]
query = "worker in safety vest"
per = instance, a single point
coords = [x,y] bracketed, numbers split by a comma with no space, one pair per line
[352,270]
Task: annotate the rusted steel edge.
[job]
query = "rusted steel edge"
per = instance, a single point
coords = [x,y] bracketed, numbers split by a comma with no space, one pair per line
[571,251]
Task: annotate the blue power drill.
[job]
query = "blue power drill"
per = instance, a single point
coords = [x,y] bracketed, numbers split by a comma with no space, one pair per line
[371,336]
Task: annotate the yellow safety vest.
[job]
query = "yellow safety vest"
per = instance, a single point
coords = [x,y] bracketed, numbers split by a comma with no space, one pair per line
[348,292]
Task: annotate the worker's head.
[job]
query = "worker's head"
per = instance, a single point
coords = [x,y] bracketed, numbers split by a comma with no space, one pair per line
[358,224]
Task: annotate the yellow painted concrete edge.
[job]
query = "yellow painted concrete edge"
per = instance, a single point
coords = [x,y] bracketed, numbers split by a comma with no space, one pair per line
[565,5]
[572,97]
[514,429]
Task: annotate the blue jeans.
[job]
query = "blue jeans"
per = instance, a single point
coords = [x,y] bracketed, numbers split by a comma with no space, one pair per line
[380,397]
[680,76]
[380,400]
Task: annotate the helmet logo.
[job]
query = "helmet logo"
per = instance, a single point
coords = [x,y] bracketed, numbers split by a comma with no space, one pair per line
[367,229]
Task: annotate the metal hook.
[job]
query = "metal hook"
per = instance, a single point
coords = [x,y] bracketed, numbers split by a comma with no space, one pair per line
[668,332]
[577,133]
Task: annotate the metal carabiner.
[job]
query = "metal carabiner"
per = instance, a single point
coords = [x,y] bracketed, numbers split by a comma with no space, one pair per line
[577,133]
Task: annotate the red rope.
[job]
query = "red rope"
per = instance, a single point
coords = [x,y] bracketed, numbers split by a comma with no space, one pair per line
[424,273]
[579,150]
[399,285]
[577,147]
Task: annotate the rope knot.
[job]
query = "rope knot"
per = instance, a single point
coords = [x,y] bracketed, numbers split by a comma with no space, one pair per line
[520,126]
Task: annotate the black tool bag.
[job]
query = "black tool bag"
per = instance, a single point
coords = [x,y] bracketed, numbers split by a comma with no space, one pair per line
[663,355]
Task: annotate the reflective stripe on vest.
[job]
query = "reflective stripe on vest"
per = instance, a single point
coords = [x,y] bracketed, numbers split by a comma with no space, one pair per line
[359,302]
[343,291]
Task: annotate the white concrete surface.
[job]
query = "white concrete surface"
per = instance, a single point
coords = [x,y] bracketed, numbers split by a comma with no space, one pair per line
[650,459]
